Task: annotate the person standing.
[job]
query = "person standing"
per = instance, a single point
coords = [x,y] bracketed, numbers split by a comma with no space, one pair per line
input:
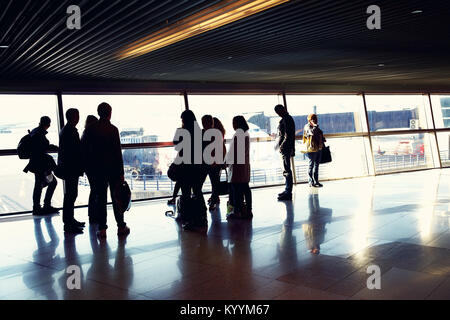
[314,140]
[238,158]
[70,169]
[104,163]
[91,119]
[286,145]
[42,165]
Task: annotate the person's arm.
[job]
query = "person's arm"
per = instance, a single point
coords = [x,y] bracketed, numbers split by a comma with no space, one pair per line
[118,159]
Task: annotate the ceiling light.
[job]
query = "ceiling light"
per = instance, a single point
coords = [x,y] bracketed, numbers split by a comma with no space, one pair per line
[416,11]
[381,65]
[216,16]
[4,47]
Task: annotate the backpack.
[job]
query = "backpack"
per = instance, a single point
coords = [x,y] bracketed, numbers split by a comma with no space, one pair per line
[317,139]
[24,147]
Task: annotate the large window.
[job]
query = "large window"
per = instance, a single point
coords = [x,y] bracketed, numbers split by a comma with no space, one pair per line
[257,109]
[16,188]
[139,118]
[398,112]
[444,147]
[441,110]
[336,113]
[20,113]
[402,152]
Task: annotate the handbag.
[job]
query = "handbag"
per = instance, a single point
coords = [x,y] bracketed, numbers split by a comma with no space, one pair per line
[326,155]
[122,197]
[174,172]
[223,186]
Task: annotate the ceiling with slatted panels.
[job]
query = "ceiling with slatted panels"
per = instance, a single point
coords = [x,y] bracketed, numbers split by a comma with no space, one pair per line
[299,45]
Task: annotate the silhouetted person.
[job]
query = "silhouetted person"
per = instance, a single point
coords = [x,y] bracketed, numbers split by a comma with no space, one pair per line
[42,165]
[238,159]
[216,168]
[286,145]
[314,140]
[193,177]
[104,164]
[70,169]
[92,196]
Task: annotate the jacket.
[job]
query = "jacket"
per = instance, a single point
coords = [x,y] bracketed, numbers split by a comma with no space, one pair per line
[40,161]
[102,152]
[286,134]
[69,154]
[310,133]
[238,172]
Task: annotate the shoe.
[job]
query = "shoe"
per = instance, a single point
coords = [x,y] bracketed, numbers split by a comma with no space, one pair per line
[50,209]
[312,185]
[70,228]
[318,185]
[123,231]
[37,211]
[282,193]
[101,234]
[286,196]
[172,201]
[78,223]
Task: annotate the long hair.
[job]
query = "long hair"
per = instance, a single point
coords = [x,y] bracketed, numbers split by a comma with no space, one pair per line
[219,126]
[241,123]
[189,119]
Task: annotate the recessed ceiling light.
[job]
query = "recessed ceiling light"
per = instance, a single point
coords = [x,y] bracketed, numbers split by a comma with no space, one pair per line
[416,11]
[381,65]
[208,19]
[4,47]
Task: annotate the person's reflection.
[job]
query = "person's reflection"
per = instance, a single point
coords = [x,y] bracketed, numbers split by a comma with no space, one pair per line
[315,228]
[287,244]
[45,255]
[72,258]
[120,276]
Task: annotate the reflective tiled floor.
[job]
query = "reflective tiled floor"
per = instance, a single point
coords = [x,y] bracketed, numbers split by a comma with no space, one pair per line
[398,222]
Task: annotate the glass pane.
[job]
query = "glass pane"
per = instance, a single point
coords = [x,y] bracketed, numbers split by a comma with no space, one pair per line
[348,160]
[441,110]
[16,189]
[139,118]
[336,113]
[257,109]
[402,152]
[20,113]
[398,112]
[444,147]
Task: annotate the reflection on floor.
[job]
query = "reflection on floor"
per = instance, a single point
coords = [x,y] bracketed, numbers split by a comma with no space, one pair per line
[398,222]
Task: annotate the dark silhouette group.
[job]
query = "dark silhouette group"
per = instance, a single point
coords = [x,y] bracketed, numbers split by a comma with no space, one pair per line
[98,154]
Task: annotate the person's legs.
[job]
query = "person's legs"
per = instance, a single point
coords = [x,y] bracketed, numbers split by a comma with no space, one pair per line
[238,197]
[287,173]
[49,193]
[316,167]
[117,215]
[37,191]
[70,195]
[248,197]
[311,157]
[214,176]
[92,205]
[100,188]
